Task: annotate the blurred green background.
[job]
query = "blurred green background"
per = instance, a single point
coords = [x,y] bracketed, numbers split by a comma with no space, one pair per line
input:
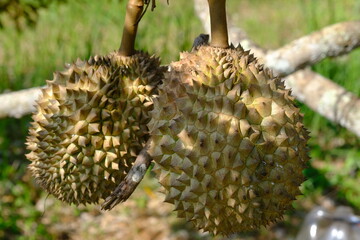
[38,36]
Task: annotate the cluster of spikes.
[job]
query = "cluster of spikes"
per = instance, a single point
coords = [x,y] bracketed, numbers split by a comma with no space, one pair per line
[227,140]
[90,125]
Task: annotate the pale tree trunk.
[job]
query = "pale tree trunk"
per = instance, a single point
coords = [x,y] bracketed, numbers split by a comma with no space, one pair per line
[331,41]
[19,103]
[326,98]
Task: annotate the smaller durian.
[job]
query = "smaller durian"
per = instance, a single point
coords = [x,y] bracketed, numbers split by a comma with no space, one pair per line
[90,124]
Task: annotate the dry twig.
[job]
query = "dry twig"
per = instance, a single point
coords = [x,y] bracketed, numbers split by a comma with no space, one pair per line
[130,182]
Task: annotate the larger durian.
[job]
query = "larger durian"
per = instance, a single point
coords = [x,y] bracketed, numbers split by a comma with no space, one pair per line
[228,141]
[91,123]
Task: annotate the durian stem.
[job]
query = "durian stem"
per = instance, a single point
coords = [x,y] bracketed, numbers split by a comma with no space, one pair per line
[128,185]
[134,9]
[219,31]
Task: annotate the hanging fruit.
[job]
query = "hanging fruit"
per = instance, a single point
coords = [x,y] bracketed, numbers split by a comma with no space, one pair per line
[90,122]
[227,139]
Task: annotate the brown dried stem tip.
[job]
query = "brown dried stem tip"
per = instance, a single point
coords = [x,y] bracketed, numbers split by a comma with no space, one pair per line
[131,181]
[219,32]
[134,10]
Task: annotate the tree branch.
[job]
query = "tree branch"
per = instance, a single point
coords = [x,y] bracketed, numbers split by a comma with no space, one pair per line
[330,100]
[327,98]
[19,103]
[331,41]
[130,182]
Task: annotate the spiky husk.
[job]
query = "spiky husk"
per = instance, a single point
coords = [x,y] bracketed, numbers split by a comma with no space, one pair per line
[90,125]
[228,141]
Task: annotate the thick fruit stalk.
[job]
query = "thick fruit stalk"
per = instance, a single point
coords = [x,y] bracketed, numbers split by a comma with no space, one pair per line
[219,32]
[134,9]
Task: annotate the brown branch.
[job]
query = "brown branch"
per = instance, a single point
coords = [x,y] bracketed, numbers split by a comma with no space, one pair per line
[134,10]
[130,182]
[219,32]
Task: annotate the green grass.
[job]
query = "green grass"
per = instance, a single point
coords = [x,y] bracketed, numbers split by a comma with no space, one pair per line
[277,22]
[79,29]
[19,215]
[29,57]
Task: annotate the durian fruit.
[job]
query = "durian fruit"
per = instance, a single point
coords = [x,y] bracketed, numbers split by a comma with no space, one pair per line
[90,124]
[228,141]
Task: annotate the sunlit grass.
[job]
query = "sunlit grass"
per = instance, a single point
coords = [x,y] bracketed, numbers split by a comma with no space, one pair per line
[80,29]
